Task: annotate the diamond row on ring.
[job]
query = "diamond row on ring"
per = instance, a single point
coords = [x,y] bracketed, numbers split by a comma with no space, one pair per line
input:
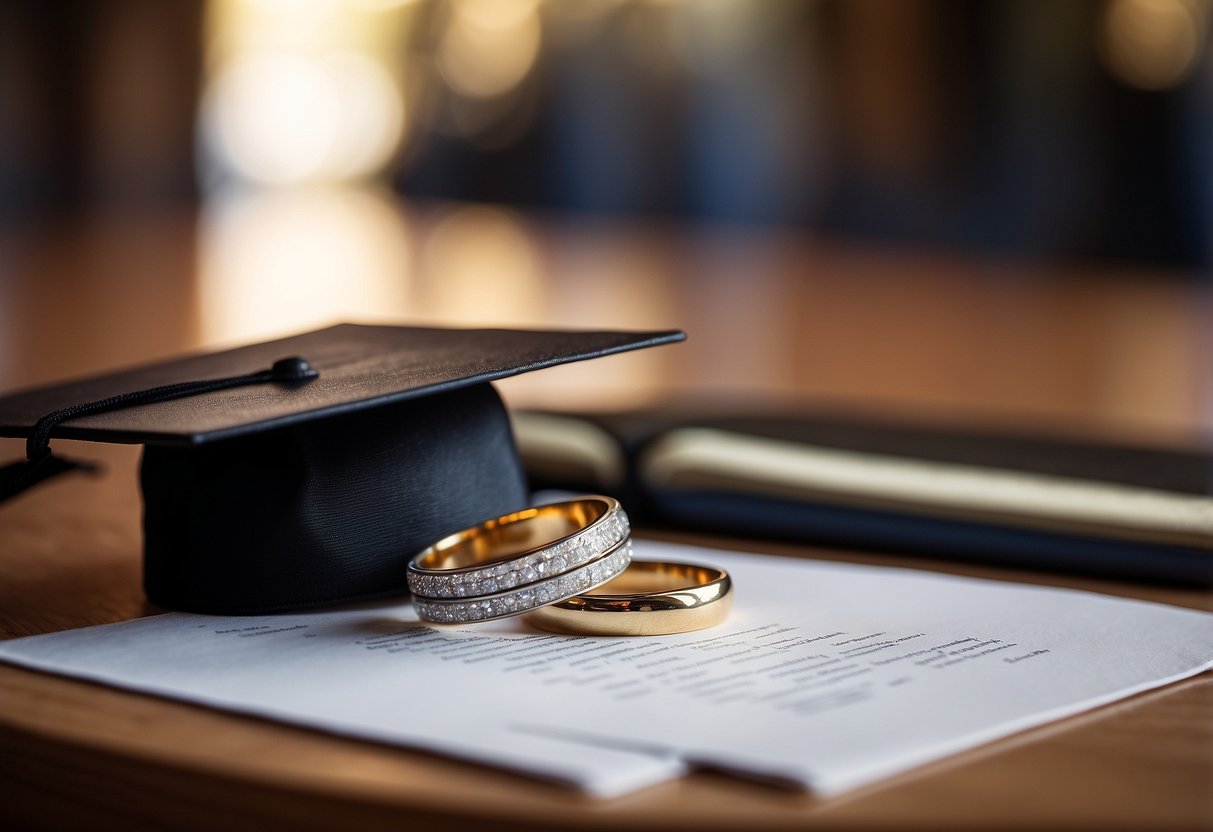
[552,560]
[549,591]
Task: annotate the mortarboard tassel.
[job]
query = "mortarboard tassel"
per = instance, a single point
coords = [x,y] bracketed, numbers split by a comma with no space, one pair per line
[41,464]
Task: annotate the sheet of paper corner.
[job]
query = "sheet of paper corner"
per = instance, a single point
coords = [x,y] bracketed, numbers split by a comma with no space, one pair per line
[826,677]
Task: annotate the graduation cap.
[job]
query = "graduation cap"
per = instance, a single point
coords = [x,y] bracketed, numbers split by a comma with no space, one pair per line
[306,470]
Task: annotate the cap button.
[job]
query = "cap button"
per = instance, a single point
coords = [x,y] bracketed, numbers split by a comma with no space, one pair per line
[294,368]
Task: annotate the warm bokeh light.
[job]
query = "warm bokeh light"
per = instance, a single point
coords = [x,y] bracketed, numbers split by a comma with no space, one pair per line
[279,261]
[1153,44]
[489,46]
[298,93]
[381,5]
[305,103]
[574,22]
[284,119]
[481,267]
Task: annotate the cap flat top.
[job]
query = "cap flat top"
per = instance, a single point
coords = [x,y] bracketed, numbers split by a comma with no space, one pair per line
[360,366]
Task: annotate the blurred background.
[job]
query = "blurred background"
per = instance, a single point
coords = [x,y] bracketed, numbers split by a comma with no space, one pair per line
[995,210]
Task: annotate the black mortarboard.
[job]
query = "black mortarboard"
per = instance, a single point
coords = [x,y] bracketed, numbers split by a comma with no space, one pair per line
[306,470]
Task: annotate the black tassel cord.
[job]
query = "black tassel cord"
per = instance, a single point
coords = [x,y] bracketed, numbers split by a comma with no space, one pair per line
[41,464]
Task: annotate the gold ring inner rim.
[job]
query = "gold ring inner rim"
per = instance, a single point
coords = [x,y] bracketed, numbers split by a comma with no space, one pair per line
[655,586]
[512,535]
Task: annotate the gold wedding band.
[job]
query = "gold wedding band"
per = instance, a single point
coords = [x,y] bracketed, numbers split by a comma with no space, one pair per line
[650,598]
[519,548]
[514,563]
[513,602]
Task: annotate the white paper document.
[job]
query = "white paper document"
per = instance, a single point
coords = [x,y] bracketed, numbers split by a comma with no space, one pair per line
[826,676]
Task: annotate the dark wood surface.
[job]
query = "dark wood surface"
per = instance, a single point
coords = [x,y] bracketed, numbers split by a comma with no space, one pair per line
[1075,349]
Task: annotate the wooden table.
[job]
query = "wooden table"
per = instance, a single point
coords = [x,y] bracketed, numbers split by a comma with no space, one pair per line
[1074,349]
